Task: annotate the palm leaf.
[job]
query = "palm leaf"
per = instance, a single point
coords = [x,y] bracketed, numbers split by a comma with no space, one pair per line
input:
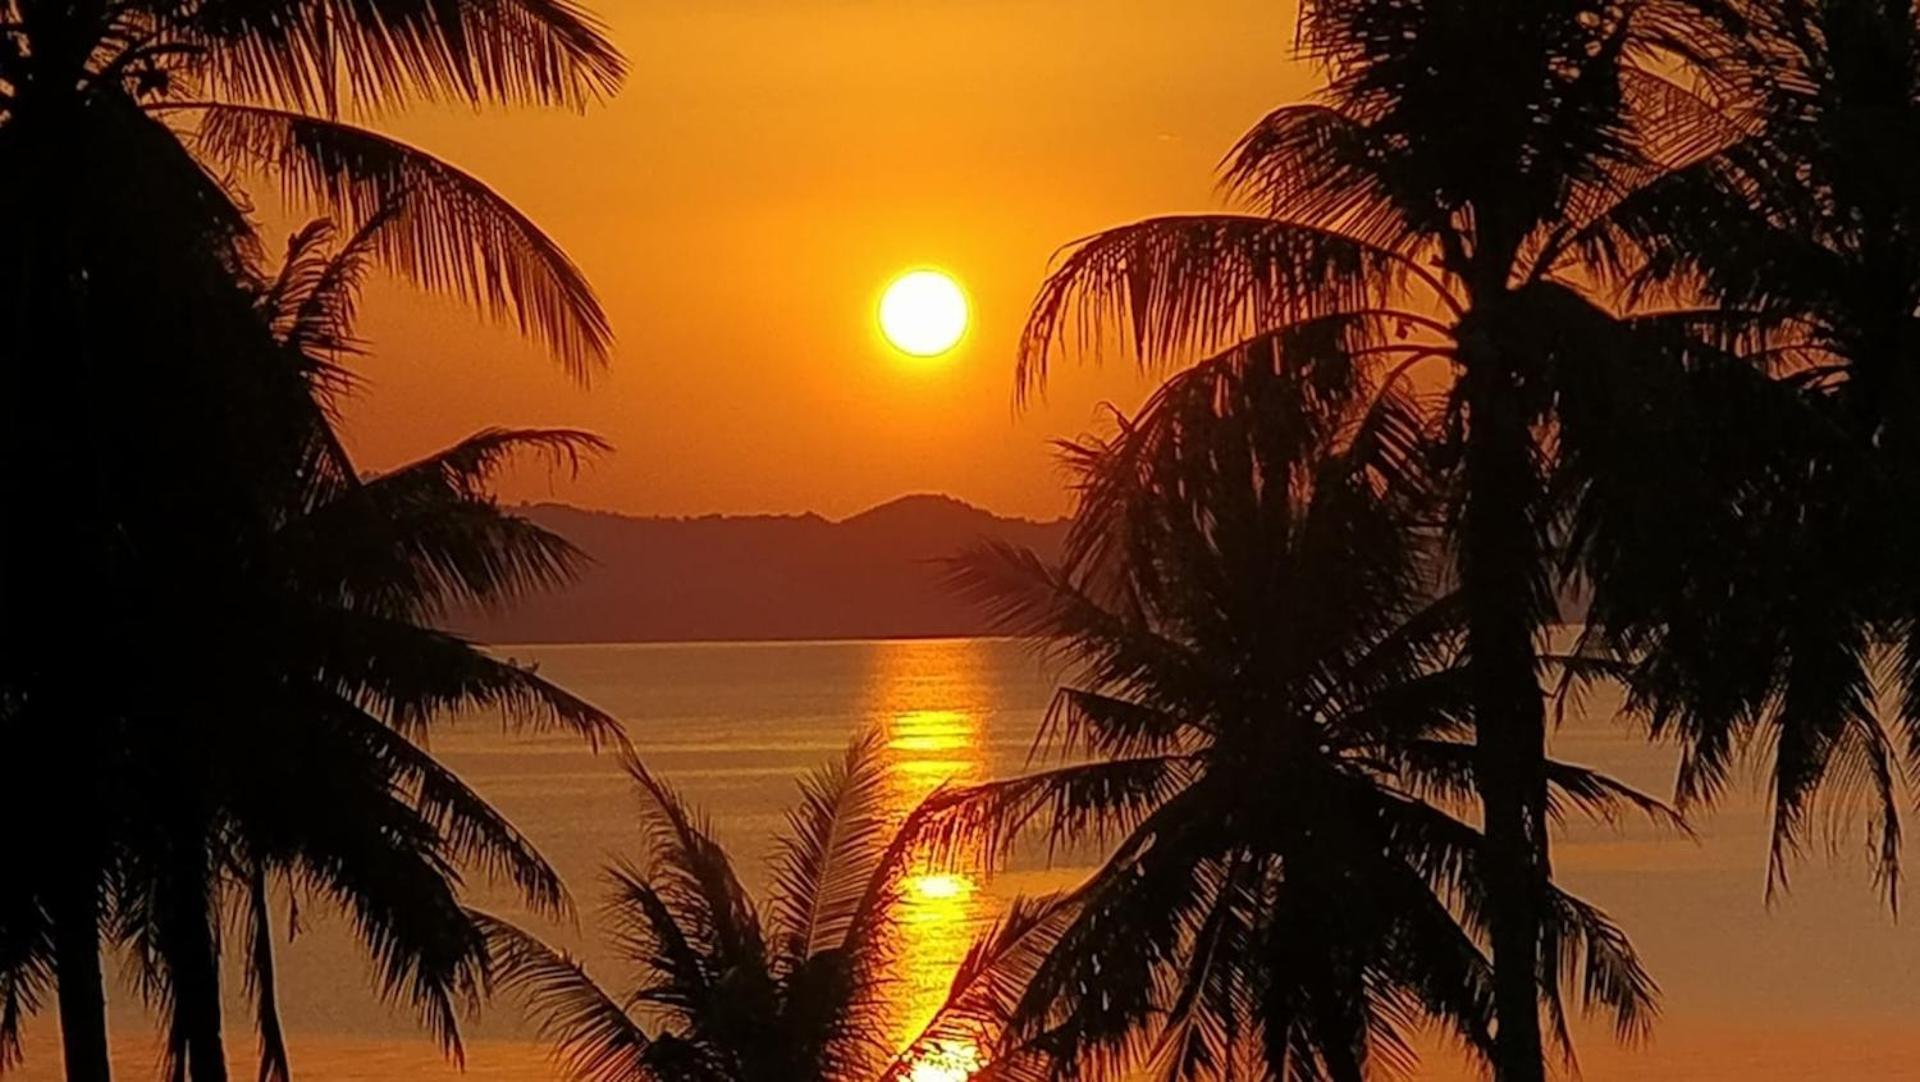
[1026,597]
[1591,953]
[428,536]
[1311,163]
[401,899]
[439,227]
[471,830]
[412,676]
[988,984]
[1205,281]
[834,840]
[26,970]
[313,300]
[1084,803]
[694,878]
[390,52]
[672,942]
[594,1039]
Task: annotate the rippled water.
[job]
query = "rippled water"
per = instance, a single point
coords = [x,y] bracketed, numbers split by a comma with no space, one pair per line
[1822,985]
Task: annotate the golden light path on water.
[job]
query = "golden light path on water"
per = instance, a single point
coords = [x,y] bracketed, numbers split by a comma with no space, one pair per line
[930,703]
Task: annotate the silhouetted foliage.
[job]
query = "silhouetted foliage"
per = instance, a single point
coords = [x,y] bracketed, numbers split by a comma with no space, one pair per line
[1272,715]
[1778,612]
[724,989]
[1447,197]
[1309,612]
[157,447]
[293,765]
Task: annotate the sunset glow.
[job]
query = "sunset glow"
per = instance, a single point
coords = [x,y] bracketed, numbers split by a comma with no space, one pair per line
[960,542]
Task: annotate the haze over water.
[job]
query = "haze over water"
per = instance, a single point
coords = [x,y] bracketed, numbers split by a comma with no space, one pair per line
[1822,985]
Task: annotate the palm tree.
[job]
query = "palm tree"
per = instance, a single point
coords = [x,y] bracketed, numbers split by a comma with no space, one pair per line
[1274,719]
[725,990]
[111,111]
[1443,201]
[132,415]
[1804,235]
[297,763]
[351,584]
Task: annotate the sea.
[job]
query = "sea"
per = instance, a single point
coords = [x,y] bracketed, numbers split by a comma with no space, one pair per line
[1820,980]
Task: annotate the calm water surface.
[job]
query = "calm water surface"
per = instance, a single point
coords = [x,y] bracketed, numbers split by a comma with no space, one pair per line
[1822,984]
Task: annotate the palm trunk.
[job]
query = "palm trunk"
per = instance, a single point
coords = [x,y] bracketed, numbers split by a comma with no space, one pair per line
[44,620]
[273,1044]
[193,956]
[1500,559]
[82,991]
[197,1016]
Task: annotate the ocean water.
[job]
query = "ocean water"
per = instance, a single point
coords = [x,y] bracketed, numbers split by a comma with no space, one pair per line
[1821,983]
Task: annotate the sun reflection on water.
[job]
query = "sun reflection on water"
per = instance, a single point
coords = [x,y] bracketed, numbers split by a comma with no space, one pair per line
[946,1061]
[936,886]
[928,700]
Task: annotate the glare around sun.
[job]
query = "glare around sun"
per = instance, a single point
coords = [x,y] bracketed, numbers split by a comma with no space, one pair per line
[923,313]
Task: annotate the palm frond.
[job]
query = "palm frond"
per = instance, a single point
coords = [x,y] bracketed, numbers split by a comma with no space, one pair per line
[314,298]
[1086,803]
[1828,742]
[670,941]
[989,983]
[1080,722]
[1092,1001]
[1591,954]
[428,536]
[1209,1025]
[439,227]
[1443,771]
[1680,133]
[303,268]
[594,1039]
[694,878]
[26,970]
[1201,282]
[464,468]
[1311,163]
[403,905]
[472,832]
[833,843]
[1025,596]
[412,676]
[391,52]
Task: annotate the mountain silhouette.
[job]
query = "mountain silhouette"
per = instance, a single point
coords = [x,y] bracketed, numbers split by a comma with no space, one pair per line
[723,577]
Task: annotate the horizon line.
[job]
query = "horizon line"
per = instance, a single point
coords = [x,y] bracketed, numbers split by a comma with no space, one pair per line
[811,513]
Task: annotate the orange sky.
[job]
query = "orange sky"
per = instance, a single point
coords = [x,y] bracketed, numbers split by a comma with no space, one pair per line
[766,169]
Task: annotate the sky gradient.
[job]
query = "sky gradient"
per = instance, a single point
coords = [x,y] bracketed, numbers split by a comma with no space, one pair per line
[767,168]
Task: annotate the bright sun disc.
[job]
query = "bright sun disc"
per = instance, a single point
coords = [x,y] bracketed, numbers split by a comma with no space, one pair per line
[923,313]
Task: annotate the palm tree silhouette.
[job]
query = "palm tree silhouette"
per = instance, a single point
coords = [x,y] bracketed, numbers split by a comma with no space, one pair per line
[298,764]
[162,89]
[725,990]
[1446,199]
[1273,717]
[137,415]
[1804,234]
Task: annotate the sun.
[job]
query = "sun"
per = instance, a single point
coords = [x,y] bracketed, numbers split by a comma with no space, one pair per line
[923,313]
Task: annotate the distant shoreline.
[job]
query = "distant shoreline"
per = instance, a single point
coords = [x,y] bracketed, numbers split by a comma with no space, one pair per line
[839,640]
[878,575]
